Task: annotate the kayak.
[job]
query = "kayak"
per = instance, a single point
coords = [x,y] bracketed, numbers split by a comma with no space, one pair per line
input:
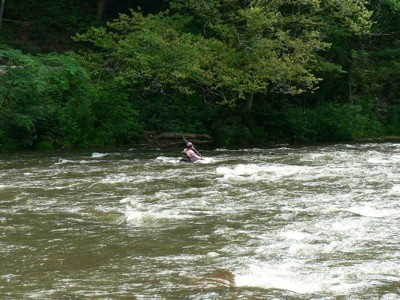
[186,160]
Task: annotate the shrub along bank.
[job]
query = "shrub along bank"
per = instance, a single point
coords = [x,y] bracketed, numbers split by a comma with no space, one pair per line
[243,72]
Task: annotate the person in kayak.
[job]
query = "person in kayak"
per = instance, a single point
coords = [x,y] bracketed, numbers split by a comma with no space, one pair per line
[191,156]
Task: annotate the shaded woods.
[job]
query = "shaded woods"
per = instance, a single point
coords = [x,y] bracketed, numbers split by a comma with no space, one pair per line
[102,73]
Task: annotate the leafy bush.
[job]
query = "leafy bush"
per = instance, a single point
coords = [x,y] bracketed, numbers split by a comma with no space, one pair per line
[177,113]
[393,119]
[332,122]
[49,100]
[34,89]
[116,121]
[302,123]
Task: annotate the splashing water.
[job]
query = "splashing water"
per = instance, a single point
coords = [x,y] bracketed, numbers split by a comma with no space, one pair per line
[316,222]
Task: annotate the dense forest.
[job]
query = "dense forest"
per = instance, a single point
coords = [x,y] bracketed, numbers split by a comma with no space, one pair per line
[100,73]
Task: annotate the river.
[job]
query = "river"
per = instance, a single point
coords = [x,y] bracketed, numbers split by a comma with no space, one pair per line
[315,222]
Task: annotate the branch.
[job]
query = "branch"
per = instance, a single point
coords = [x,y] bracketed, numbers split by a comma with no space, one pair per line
[20,22]
[1,10]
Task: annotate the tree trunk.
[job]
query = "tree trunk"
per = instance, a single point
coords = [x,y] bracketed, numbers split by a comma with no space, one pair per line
[248,105]
[242,109]
[101,9]
[1,11]
[162,5]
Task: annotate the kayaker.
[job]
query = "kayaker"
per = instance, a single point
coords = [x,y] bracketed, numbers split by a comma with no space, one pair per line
[191,156]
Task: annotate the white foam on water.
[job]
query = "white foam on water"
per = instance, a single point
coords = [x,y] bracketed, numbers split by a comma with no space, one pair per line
[295,235]
[395,158]
[68,161]
[148,217]
[333,255]
[119,178]
[320,158]
[64,161]
[166,159]
[368,211]
[314,277]
[395,189]
[239,173]
[163,196]
[346,231]
[266,172]
[141,214]
[226,150]
[206,160]
[279,276]
[174,160]
[128,199]
[378,161]
[239,170]
[98,155]
[390,296]
[213,254]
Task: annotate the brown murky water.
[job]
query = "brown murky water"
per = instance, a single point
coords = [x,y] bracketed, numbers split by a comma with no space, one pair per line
[316,222]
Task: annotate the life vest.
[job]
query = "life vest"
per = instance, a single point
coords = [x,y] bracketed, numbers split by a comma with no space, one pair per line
[188,158]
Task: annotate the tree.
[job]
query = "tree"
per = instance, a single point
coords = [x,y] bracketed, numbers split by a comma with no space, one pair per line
[229,51]
[2,3]
[49,100]
[295,31]
[45,26]
[101,9]
[33,89]
[376,67]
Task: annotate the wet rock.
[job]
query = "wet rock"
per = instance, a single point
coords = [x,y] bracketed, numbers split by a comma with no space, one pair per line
[217,279]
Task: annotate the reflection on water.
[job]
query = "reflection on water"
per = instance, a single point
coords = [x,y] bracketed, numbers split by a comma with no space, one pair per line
[315,222]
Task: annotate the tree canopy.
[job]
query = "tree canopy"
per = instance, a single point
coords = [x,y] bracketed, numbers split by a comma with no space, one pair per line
[244,71]
[227,50]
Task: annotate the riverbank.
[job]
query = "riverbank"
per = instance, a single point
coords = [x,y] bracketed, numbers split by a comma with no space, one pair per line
[171,139]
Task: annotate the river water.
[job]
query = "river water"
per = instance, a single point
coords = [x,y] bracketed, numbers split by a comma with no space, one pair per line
[317,222]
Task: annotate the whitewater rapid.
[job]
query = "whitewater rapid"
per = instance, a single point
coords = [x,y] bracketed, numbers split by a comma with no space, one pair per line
[318,222]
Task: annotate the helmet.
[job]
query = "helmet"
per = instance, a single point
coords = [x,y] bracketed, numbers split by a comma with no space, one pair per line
[189,145]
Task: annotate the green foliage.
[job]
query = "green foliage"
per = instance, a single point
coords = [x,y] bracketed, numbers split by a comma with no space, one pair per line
[49,100]
[375,72]
[46,25]
[164,113]
[32,89]
[393,120]
[116,121]
[233,135]
[378,67]
[182,69]
[224,136]
[247,47]
[325,122]
[302,123]
[76,122]
[224,51]
[332,122]
[346,18]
